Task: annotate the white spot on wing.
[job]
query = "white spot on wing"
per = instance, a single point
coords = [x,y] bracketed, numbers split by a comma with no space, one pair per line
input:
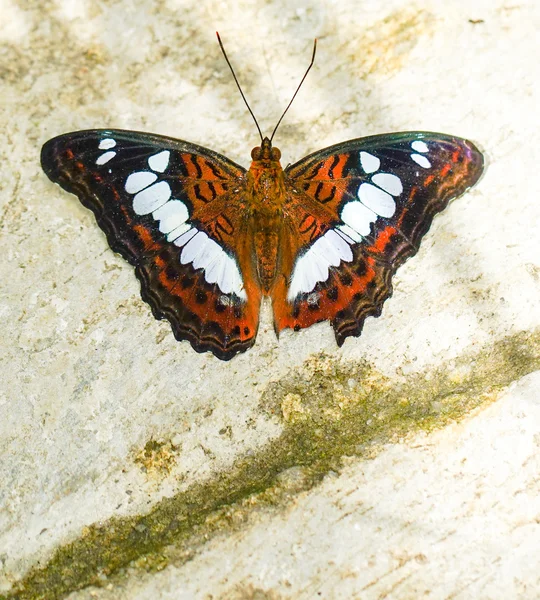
[160,161]
[313,299]
[307,273]
[326,252]
[419,146]
[171,215]
[107,143]
[151,198]
[319,267]
[207,254]
[226,300]
[388,182]
[421,160]
[176,233]
[299,280]
[350,233]
[105,158]
[314,266]
[138,181]
[230,279]
[193,247]
[369,163]
[218,266]
[185,237]
[378,200]
[342,249]
[358,217]
[214,272]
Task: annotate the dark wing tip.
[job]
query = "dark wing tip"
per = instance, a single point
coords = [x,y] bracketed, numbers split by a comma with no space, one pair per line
[478,162]
[48,158]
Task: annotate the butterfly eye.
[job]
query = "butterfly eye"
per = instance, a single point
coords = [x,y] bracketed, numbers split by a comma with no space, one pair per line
[256,153]
[276,154]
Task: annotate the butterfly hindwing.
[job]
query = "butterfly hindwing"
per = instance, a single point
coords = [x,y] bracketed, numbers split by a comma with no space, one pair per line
[174,210]
[357,211]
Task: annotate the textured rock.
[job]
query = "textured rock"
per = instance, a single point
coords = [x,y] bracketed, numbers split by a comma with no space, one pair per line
[404,463]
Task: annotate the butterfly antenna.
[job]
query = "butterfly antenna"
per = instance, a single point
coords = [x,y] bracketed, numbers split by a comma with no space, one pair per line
[236,80]
[297,89]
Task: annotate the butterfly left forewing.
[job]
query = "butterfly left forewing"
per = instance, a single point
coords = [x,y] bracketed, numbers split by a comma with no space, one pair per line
[174,211]
[357,211]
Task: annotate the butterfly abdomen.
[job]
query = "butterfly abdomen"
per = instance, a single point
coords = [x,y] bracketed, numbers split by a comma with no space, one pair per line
[266,246]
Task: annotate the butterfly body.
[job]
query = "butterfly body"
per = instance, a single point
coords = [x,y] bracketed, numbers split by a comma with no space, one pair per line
[266,189]
[208,239]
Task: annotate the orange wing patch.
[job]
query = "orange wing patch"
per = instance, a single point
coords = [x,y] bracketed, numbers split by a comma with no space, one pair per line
[197,310]
[320,187]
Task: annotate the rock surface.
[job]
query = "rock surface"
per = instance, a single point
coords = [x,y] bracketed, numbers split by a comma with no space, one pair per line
[403,464]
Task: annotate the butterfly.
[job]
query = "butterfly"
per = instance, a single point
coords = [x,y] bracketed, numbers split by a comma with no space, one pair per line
[209,239]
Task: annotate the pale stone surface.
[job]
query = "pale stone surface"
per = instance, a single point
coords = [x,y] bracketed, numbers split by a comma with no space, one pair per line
[89,378]
[451,515]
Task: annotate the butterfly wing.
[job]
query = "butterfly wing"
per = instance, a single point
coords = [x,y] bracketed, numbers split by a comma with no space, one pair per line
[175,211]
[357,211]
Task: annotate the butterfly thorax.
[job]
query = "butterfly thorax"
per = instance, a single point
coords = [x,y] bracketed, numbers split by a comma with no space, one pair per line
[266,189]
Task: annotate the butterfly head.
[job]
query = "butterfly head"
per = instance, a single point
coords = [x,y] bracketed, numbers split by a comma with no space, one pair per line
[265,152]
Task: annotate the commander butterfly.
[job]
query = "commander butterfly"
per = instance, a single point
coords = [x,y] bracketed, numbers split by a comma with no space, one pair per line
[208,238]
